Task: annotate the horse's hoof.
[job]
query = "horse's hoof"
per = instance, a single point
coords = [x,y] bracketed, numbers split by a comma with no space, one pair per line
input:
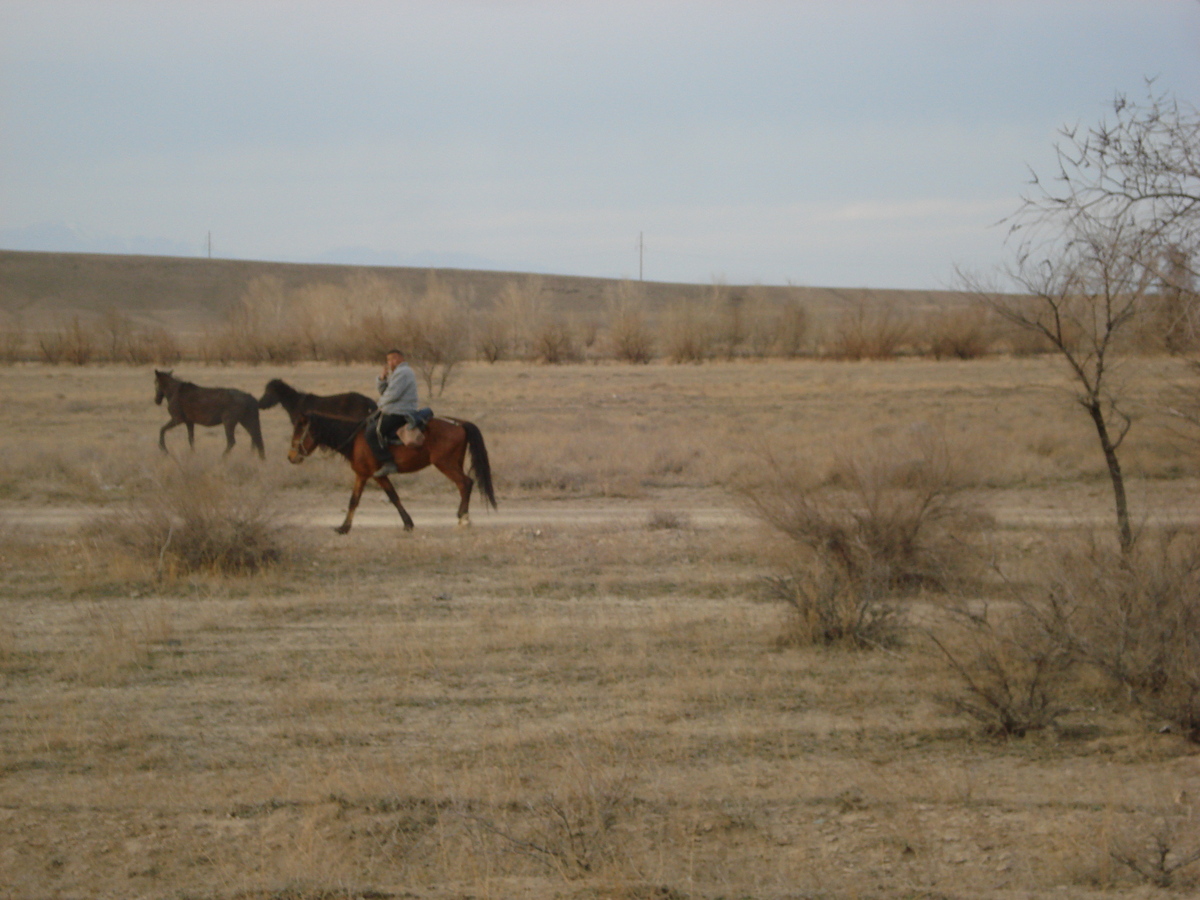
[464,521]
[342,529]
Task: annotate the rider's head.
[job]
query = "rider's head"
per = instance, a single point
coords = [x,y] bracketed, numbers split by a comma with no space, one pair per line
[394,358]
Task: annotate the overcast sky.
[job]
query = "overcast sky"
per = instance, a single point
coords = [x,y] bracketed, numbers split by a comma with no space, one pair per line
[829,143]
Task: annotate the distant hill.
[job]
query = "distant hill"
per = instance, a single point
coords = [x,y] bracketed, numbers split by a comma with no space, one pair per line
[187,294]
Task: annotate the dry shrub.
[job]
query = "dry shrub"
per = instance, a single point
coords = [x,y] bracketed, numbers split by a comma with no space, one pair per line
[1013,675]
[493,339]
[12,341]
[573,829]
[153,345]
[118,642]
[961,333]
[791,330]
[69,341]
[689,332]
[870,331]
[515,317]
[260,325]
[359,320]
[827,608]
[1020,340]
[773,328]
[437,339]
[1166,324]
[887,520]
[123,341]
[1181,400]
[727,320]
[354,322]
[1170,318]
[1168,856]
[198,518]
[629,332]
[115,327]
[553,340]
[1136,618]
[666,520]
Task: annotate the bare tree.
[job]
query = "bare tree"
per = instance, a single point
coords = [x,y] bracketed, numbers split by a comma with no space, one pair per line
[1081,297]
[1141,166]
[437,335]
[1139,169]
[1098,248]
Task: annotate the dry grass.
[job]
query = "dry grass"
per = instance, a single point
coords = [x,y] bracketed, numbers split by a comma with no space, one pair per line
[581,696]
[197,517]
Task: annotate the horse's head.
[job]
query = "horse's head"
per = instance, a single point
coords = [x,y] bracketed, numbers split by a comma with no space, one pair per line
[162,383]
[303,441]
[270,396]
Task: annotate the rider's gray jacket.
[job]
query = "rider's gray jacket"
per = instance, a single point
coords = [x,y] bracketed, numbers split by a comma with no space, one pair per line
[398,393]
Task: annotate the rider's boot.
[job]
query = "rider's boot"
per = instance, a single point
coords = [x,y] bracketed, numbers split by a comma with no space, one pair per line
[388,468]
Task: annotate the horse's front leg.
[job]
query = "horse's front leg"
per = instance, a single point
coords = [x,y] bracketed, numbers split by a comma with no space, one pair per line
[162,433]
[360,482]
[230,424]
[191,434]
[395,498]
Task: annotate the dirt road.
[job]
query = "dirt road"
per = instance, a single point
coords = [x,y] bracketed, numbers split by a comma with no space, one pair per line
[1173,502]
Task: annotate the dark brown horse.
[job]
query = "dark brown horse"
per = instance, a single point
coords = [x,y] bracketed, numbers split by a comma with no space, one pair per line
[352,406]
[446,444]
[192,405]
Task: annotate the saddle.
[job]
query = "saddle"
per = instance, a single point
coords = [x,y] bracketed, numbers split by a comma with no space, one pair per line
[413,435]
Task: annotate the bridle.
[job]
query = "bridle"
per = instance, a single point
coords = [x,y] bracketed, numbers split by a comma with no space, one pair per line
[298,453]
[306,435]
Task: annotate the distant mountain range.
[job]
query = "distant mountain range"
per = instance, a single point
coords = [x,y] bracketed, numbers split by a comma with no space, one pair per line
[61,238]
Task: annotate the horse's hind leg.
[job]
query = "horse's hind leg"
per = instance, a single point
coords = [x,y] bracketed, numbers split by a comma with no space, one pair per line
[464,483]
[230,425]
[191,434]
[395,498]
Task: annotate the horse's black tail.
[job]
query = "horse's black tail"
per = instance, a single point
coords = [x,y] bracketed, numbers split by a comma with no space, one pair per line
[480,466]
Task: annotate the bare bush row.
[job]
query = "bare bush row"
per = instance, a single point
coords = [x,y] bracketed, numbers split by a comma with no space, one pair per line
[439,327]
[112,337]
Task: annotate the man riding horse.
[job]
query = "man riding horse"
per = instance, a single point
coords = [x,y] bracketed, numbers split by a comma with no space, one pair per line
[397,407]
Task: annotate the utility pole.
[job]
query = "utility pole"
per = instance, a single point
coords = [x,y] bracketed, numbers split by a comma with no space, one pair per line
[210,245]
[641,254]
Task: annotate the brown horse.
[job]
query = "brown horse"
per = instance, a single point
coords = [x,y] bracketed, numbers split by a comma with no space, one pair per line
[353,406]
[192,405]
[446,444]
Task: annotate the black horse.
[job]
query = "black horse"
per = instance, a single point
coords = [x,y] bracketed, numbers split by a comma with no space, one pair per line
[192,405]
[350,406]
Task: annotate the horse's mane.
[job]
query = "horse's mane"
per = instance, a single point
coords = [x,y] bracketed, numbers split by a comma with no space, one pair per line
[168,381]
[336,434]
[284,392]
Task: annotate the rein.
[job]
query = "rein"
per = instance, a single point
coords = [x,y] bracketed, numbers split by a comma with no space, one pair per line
[297,442]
